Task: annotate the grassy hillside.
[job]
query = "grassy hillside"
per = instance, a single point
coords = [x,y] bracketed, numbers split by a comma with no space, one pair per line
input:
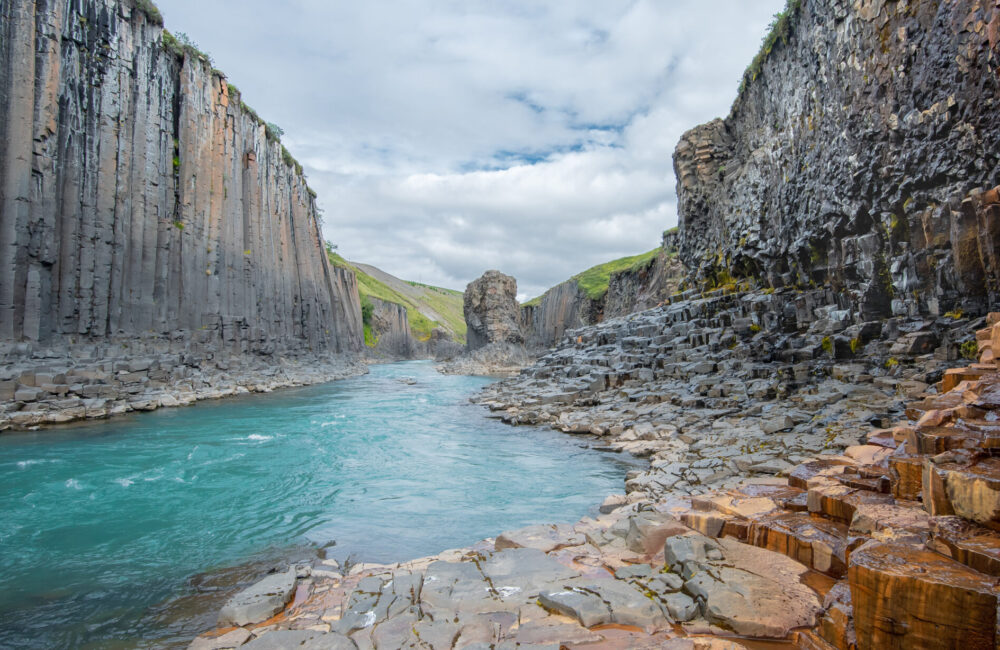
[594,281]
[427,306]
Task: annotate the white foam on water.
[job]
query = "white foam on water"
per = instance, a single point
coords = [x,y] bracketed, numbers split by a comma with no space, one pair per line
[191,455]
[258,437]
[124,482]
[74,484]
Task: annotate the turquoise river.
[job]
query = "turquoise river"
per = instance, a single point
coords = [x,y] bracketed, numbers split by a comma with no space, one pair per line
[131,532]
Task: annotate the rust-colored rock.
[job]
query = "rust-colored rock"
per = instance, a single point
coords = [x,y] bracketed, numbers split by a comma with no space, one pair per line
[816,543]
[907,597]
[907,476]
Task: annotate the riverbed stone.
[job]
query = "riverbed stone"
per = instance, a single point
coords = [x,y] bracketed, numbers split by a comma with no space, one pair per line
[300,640]
[260,601]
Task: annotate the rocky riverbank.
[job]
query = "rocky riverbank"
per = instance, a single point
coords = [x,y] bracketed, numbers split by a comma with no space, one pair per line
[45,386]
[797,479]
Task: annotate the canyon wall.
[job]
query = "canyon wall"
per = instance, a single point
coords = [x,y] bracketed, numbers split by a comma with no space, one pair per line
[566,306]
[142,200]
[860,153]
[392,330]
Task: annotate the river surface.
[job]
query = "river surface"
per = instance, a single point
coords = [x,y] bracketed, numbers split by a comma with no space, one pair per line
[119,533]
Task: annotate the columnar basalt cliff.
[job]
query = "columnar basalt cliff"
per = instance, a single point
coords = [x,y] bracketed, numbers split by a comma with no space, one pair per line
[857,155]
[567,306]
[140,198]
[158,245]
[392,329]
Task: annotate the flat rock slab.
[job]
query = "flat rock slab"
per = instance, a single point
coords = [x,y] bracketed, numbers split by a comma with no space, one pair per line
[600,601]
[232,639]
[260,601]
[542,537]
[300,640]
[754,592]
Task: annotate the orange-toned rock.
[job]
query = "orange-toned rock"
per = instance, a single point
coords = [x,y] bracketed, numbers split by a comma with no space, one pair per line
[816,543]
[840,501]
[935,494]
[972,545]
[906,597]
[934,440]
[805,475]
[906,473]
[959,483]
[974,490]
[836,625]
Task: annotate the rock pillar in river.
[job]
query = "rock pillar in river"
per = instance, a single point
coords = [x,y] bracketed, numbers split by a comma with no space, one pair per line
[492,313]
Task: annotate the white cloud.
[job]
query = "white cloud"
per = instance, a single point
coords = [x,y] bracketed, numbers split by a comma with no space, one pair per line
[451,137]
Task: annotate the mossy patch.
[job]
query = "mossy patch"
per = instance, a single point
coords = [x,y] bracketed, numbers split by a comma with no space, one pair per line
[594,281]
[445,302]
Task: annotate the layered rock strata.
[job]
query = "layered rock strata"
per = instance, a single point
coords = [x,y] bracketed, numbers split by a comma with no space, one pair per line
[837,552]
[857,156]
[143,207]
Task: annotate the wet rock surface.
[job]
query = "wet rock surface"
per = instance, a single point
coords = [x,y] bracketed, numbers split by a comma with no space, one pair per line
[820,554]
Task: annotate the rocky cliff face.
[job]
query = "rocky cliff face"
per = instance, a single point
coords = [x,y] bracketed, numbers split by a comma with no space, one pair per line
[141,199]
[392,330]
[563,307]
[854,157]
[491,311]
[566,306]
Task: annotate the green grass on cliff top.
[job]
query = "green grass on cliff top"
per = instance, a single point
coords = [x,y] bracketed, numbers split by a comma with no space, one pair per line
[446,302]
[594,281]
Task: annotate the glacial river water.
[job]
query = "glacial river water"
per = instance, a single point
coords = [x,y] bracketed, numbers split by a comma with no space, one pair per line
[119,533]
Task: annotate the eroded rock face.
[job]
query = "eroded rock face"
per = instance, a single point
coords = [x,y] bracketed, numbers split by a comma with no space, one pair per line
[566,306]
[140,198]
[491,311]
[850,159]
[392,329]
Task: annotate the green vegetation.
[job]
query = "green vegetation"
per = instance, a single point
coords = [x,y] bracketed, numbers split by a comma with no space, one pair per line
[150,10]
[827,345]
[367,310]
[856,344]
[594,281]
[779,31]
[970,350]
[273,131]
[955,314]
[181,45]
[445,302]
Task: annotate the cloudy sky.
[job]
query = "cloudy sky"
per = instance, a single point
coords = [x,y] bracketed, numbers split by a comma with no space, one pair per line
[448,137]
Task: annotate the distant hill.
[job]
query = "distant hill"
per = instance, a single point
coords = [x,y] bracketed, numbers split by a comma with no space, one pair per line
[595,281]
[427,307]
